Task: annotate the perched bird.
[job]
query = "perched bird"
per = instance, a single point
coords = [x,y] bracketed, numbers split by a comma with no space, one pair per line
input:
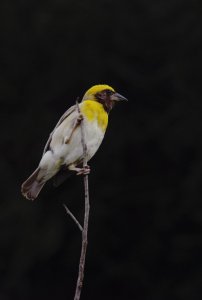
[64,147]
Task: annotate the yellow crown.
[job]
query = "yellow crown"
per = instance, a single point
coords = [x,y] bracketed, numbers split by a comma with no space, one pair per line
[96,89]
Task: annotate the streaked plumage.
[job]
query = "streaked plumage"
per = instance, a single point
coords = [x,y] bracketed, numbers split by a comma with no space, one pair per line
[64,147]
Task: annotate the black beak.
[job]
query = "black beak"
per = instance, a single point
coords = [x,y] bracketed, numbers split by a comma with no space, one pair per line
[118,97]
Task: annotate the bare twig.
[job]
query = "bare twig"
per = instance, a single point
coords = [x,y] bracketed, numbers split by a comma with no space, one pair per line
[73,217]
[86,217]
[76,124]
[84,229]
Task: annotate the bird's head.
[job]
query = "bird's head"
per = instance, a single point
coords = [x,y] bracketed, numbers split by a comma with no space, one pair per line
[103,94]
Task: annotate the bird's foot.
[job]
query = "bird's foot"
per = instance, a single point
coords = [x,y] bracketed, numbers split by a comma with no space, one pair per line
[83,171]
[80,171]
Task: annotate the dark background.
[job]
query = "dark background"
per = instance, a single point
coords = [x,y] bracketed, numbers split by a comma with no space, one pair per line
[145,235]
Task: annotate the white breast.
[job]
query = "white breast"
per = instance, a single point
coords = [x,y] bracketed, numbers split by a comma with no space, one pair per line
[73,151]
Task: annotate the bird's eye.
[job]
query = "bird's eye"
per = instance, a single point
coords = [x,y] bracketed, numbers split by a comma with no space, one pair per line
[109,92]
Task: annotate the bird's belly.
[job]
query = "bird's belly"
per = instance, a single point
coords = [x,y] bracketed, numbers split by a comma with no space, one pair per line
[93,137]
[72,153]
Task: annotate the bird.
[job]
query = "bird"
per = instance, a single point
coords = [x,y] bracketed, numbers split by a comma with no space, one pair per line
[64,150]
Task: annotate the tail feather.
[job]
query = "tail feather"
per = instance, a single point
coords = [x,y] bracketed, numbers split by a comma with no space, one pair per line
[32,187]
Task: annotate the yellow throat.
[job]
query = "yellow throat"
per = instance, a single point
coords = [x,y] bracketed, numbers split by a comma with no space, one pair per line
[93,111]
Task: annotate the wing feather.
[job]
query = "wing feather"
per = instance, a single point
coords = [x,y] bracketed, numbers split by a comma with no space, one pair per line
[64,116]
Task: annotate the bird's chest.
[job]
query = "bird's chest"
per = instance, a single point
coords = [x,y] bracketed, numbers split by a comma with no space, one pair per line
[95,114]
[93,136]
[95,124]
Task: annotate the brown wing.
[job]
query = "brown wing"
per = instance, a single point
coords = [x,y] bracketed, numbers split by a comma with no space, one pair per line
[64,116]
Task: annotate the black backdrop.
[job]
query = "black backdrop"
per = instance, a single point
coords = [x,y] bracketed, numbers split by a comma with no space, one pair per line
[145,235]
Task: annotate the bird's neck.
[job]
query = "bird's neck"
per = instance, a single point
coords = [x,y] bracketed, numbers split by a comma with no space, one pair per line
[94,111]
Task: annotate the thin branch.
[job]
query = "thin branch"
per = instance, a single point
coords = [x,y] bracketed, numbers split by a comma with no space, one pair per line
[74,127]
[86,217]
[73,217]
